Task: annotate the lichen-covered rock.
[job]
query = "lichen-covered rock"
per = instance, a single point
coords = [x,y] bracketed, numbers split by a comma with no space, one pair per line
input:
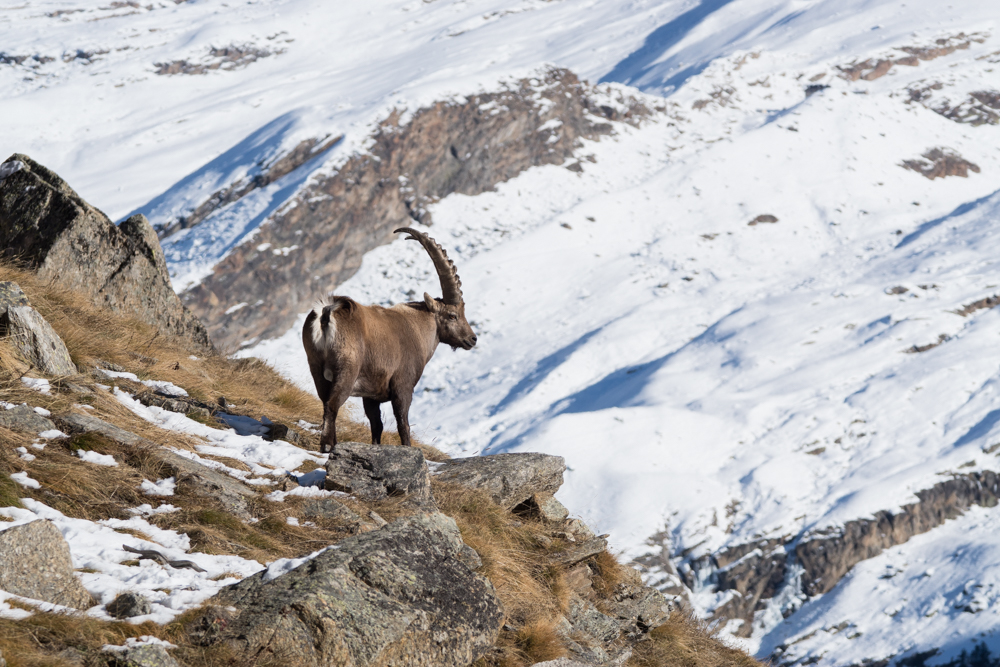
[509,479]
[48,226]
[23,418]
[128,605]
[35,562]
[145,655]
[394,597]
[376,472]
[329,508]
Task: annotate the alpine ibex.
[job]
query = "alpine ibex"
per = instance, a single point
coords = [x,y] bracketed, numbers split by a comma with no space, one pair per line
[379,353]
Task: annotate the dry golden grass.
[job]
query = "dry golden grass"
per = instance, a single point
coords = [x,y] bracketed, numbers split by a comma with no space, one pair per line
[684,641]
[38,641]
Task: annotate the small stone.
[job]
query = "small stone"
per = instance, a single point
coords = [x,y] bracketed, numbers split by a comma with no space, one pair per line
[282,432]
[146,655]
[580,529]
[379,521]
[128,605]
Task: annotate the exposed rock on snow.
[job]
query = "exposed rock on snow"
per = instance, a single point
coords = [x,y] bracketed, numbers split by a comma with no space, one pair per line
[463,146]
[35,563]
[941,162]
[374,472]
[44,223]
[33,337]
[128,605]
[399,595]
[509,479]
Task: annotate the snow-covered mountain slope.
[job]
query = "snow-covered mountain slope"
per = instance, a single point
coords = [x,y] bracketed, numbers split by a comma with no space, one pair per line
[728,381]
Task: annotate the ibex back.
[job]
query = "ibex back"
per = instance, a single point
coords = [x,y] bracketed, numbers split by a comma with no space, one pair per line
[379,353]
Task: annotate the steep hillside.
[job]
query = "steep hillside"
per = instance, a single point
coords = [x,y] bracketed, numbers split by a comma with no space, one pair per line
[145,499]
[759,322]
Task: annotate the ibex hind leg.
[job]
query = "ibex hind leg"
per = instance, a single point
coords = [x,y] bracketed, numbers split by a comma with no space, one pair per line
[373,411]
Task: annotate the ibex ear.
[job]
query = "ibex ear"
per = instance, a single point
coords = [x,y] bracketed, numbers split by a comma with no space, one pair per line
[432,305]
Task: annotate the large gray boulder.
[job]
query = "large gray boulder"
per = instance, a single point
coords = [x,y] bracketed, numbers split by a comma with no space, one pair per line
[24,418]
[49,227]
[509,479]
[34,338]
[398,596]
[376,472]
[35,562]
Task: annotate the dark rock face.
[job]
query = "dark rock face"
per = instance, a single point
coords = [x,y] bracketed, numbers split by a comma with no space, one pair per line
[23,418]
[465,147]
[46,225]
[35,562]
[391,597]
[128,605]
[375,472]
[509,479]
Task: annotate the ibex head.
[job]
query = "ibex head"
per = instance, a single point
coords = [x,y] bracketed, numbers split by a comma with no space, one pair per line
[449,311]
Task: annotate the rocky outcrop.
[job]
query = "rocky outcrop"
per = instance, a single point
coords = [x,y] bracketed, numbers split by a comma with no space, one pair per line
[941,163]
[466,146]
[377,472]
[757,571]
[396,596]
[32,336]
[509,479]
[35,563]
[51,229]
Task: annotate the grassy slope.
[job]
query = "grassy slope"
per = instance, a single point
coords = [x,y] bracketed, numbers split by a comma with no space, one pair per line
[515,550]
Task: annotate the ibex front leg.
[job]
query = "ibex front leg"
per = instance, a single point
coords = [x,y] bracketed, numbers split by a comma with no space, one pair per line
[401,410]
[373,411]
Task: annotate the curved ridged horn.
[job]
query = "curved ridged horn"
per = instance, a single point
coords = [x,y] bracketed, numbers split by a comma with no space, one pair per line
[451,284]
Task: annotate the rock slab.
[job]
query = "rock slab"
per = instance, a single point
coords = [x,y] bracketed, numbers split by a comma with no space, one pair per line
[394,597]
[23,418]
[34,338]
[377,472]
[35,563]
[509,479]
[49,227]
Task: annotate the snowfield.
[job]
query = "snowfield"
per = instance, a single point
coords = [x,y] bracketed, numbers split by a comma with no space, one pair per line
[702,368]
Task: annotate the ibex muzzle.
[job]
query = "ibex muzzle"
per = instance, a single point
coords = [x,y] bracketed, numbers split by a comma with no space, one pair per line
[380,353]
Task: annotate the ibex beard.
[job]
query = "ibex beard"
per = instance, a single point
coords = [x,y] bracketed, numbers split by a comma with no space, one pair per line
[380,353]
